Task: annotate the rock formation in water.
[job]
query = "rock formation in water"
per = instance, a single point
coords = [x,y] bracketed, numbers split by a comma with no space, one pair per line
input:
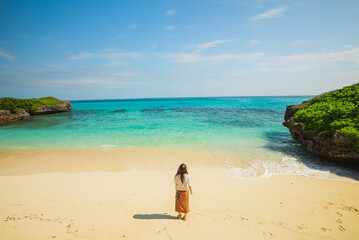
[64,106]
[7,116]
[14,108]
[327,125]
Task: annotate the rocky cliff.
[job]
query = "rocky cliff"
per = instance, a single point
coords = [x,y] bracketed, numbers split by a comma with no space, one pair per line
[7,116]
[329,148]
[64,106]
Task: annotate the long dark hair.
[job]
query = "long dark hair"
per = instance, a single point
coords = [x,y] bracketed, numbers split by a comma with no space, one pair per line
[182,170]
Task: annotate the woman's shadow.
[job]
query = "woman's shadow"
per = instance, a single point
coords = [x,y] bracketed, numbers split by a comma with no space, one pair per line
[153,216]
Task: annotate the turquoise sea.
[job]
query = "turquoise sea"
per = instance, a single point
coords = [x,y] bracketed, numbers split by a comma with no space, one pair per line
[245,133]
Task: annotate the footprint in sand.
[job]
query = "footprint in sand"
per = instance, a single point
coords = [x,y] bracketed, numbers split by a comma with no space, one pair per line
[326,229]
[350,208]
[339,220]
[339,214]
[341,228]
[267,233]
[244,219]
[281,224]
[228,217]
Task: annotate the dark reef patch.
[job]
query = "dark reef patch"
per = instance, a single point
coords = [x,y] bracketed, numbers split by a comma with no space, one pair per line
[120,111]
[225,110]
[155,110]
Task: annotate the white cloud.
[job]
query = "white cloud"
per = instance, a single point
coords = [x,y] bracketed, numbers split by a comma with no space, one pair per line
[116,37]
[107,54]
[330,60]
[171,12]
[197,57]
[231,2]
[132,26]
[170,27]
[272,13]
[204,46]
[253,42]
[6,55]
[26,36]
[215,74]
[300,41]
[83,55]
[114,56]
[70,74]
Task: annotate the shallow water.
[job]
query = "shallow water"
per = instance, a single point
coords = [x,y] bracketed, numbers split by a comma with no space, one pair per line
[245,133]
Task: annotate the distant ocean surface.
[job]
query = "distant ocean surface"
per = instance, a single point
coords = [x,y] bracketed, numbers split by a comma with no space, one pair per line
[245,133]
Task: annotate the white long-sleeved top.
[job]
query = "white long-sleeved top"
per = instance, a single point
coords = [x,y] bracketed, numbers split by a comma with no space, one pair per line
[183,186]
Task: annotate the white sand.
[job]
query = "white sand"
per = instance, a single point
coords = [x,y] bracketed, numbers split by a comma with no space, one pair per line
[139,204]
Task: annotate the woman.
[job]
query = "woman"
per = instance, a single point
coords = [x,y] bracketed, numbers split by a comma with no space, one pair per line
[183,185]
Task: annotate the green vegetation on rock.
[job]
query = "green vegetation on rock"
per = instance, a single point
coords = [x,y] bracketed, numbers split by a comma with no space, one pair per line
[28,105]
[333,112]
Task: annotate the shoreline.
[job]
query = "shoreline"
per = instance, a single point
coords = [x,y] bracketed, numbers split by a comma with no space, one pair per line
[139,204]
[28,161]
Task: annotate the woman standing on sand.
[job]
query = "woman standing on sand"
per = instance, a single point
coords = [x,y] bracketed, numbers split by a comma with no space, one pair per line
[183,185]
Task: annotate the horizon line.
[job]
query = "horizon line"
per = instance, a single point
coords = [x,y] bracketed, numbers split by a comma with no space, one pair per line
[109,99]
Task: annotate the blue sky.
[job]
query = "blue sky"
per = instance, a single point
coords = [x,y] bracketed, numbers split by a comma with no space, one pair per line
[137,49]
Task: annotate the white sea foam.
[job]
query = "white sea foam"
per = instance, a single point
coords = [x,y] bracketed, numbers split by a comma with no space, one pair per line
[288,166]
[112,146]
[108,146]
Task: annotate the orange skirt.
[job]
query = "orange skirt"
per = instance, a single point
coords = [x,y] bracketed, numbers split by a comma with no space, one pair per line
[182,204]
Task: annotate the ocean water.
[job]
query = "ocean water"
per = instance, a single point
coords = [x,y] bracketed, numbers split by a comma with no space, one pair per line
[244,133]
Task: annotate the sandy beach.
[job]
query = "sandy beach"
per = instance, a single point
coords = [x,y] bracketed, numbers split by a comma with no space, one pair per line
[139,203]
[101,102]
